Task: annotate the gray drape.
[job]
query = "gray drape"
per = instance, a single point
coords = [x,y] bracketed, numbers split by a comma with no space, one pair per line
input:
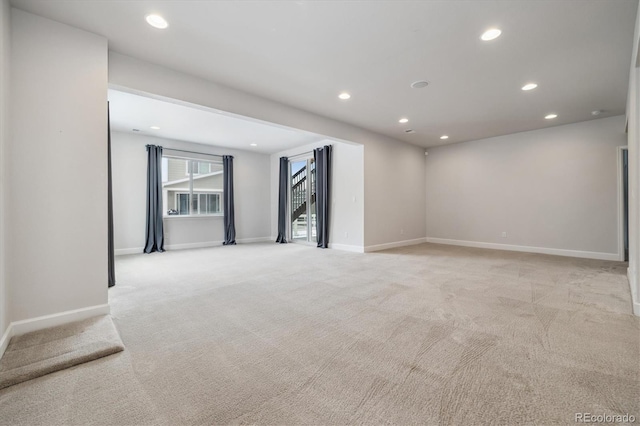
[111,270]
[322,158]
[155,232]
[282,200]
[229,213]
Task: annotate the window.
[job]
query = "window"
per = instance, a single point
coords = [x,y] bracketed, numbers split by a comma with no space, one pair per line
[191,187]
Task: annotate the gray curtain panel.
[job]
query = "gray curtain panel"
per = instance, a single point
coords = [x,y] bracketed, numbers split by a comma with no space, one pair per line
[282,201]
[111,279]
[322,158]
[229,213]
[155,232]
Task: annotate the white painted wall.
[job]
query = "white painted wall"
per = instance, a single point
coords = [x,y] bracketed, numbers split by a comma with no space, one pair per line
[394,194]
[129,162]
[57,199]
[633,140]
[554,188]
[5,40]
[390,165]
[346,213]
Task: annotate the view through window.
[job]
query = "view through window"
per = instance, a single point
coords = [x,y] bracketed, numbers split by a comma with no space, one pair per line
[191,187]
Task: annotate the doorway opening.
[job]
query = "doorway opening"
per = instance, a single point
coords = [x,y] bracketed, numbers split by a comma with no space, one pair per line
[302,185]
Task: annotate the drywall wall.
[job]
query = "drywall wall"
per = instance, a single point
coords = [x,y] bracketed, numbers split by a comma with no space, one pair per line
[394,194]
[633,142]
[129,162]
[554,188]
[346,212]
[5,28]
[57,199]
[389,164]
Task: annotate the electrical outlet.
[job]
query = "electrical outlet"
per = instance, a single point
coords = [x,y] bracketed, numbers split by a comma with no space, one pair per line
[401,231]
[346,235]
[504,234]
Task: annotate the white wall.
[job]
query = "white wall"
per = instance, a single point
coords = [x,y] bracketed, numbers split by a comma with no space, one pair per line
[57,200]
[633,139]
[554,188]
[394,192]
[392,166]
[5,33]
[129,162]
[346,212]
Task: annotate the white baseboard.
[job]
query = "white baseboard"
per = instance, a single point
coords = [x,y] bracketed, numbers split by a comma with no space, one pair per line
[4,342]
[527,249]
[378,247]
[140,250]
[346,247]
[633,285]
[16,328]
[122,252]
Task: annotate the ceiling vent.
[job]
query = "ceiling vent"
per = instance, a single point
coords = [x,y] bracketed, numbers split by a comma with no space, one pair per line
[409,131]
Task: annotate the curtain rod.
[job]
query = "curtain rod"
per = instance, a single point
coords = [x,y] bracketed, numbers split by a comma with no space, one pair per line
[302,153]
[193,152]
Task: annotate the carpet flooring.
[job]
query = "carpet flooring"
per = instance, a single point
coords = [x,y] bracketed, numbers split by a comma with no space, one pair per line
[41,352]
[289,334]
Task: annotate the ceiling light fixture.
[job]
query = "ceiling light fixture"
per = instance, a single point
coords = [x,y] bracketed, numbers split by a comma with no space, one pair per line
[491,34]
[344,96]
[419,84]
[529,86]
[550,116]
[596,112]
[254,144]
[443,137]
[403,120]
[157,21]
[155,127]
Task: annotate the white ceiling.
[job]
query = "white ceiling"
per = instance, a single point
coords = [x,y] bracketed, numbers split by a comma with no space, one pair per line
[303,53]
[185,122]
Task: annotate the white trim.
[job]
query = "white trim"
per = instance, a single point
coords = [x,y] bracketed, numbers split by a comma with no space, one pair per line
[140,250]
[347,247]
[395,244]
[214,243]
[632,277]
[4,342]
[527,249]
[17,328]
[125,251]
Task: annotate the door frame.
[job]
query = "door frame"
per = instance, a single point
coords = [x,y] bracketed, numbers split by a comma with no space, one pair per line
[620,193]
[295,159]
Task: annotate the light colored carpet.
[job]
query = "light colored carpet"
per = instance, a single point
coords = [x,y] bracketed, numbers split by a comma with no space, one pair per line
[46,351]
[287,334]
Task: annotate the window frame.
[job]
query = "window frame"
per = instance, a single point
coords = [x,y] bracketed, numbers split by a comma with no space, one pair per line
[191,163]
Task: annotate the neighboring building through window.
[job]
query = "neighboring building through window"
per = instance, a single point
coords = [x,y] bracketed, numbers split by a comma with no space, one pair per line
[191,187]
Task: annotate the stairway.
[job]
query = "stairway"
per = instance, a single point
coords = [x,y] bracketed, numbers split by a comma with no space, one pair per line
[299,186]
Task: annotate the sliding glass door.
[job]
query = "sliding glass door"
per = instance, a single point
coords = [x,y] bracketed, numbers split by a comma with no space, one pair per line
[303,200]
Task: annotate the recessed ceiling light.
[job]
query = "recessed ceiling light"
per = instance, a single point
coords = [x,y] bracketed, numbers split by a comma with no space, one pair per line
[596,112]
[443,137]
[419,84]
[157,21]
[254,144]
[403,120]
[491,34]
[344,96]
[550,116]
[529,86]
[155,127]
